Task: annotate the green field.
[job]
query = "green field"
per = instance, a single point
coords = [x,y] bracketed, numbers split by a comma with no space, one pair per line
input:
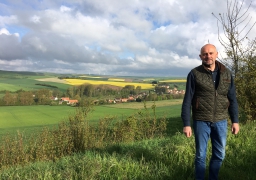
[30,118]
[13,81]
[27,84]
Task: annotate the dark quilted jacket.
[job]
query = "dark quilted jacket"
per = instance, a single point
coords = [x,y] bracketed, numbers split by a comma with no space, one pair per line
[210,104]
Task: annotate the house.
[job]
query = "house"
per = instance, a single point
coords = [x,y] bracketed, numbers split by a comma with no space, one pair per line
[54,98]
[68,101]
[124,100]
[117,100]
[64,99]
[131,98]
[72,101]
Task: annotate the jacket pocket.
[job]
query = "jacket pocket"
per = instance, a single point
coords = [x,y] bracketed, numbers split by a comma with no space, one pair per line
[196,103]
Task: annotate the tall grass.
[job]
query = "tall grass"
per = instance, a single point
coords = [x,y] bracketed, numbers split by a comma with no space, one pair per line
[158,158]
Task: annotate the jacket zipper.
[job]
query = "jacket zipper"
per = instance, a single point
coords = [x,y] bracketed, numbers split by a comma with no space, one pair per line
[215,95]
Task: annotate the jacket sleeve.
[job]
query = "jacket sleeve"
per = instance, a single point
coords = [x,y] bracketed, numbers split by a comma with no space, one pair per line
[187,101]
[233,106]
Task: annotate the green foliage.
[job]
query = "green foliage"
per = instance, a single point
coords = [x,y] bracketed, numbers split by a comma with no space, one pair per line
[46,85]
[246,85]
[240,51]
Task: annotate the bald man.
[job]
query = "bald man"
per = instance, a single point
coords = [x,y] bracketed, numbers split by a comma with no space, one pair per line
[210,92]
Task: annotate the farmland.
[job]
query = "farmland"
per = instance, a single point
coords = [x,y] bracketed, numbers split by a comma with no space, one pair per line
[169,157]
[28,83]
[120,82]
[25,118]
[14,81]
[29,117]
[174,80]
[165,157]
[108,82]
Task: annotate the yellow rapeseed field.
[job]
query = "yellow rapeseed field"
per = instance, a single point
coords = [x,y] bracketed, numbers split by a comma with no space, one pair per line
[174,80]
[114,83]
[90,76]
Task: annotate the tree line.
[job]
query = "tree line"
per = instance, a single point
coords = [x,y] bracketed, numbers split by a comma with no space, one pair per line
[85,91]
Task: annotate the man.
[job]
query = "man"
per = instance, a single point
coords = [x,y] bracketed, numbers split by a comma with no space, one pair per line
[210,91]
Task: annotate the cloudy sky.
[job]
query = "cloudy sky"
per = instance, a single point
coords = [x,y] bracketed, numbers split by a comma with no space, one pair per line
[108,37]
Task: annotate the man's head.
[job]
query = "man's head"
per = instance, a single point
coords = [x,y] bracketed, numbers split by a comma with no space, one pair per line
[208,55]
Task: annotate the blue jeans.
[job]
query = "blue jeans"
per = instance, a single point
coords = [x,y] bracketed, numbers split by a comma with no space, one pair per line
[218,133]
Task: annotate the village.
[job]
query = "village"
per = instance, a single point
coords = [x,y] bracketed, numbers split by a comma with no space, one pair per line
[130,98]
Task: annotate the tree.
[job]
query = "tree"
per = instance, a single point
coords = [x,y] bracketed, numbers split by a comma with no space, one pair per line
[26,98]
[88,90]
[246,85]
[236,25]
[240,51]
[160,89]
[138,89]
[154,82]
[127,90]
[9,99]
[56,93]
[43,96]
[70,92]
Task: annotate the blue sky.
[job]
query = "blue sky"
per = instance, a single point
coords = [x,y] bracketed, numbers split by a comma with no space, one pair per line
[112,37]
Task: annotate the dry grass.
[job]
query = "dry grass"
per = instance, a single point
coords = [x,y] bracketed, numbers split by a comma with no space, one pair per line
[116,79]
[53,79]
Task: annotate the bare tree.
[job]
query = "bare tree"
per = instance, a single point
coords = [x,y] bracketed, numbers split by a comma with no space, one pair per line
[236,24]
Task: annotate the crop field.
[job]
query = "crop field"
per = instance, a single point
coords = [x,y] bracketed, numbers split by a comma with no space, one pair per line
[14,81]
[113,83]
[27,118]
[116,79]
[13,118]
[27,84]
[174,80]
[148,104]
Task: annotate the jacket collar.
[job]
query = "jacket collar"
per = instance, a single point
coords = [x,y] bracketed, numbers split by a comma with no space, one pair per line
[221,67]
[218,66]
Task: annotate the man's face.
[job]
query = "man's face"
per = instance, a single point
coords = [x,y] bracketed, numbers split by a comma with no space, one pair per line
[208,55]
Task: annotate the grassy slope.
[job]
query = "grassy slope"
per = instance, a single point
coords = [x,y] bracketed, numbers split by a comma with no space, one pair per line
[25,118]
[27,84]
[13,81]
[166,158]
[31,118]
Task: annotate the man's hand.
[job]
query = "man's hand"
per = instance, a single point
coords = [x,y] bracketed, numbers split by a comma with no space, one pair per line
[187,131]
[235,128]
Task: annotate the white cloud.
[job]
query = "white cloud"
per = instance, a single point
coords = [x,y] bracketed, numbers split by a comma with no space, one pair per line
[35,19]
[125,37]
[65,9]
[4,31]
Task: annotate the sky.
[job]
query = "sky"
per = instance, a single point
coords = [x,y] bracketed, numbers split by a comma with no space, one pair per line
[159,38]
